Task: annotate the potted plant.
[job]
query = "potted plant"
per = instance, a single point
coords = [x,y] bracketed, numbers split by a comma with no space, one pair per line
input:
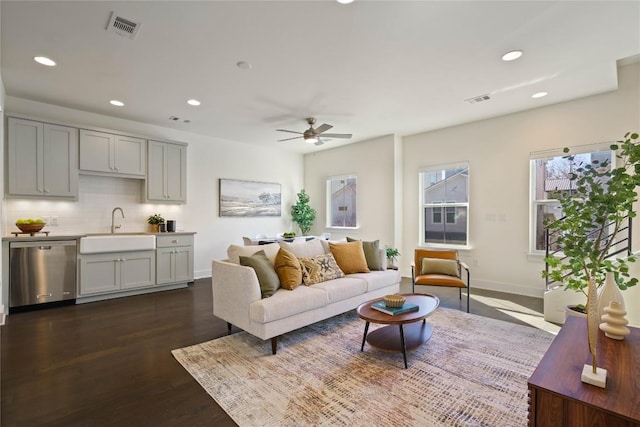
[155,221]
[594,217]
[303,214]
[392,255]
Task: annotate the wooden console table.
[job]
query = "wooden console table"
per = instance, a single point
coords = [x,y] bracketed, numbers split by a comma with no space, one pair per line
[557,396]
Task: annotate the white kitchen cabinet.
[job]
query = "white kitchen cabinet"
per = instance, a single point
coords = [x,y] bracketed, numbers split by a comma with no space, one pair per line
[42,159]
[167,176]
[113,272]
[174,258]
[109,154]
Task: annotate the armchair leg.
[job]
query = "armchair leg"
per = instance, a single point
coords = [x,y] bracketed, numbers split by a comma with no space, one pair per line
[274,345]
[413,281]
[460,293]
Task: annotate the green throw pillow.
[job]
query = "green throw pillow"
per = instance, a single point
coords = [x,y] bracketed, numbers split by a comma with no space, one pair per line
[447,267]
[370,253]
[267,276]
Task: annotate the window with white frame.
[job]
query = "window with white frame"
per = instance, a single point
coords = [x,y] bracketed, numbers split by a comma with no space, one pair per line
[550,180]
[444,201]
[341,201]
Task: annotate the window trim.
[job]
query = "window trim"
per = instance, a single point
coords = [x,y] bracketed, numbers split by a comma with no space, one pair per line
[328,205]
[422,205]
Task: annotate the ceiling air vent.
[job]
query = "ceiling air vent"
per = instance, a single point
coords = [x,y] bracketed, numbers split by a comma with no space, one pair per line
[123,27]
[178,119]
[477,99]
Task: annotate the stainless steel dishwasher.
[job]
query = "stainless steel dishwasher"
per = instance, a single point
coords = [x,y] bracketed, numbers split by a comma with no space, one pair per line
[42,271]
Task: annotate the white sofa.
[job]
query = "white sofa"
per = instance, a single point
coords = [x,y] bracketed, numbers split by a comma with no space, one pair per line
[237,298]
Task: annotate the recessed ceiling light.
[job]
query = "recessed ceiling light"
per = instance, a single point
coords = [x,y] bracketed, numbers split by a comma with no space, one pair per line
[45,61]
[116,103]
[510,56]
[193,102]
[539,94]
[243,65]
[345,1]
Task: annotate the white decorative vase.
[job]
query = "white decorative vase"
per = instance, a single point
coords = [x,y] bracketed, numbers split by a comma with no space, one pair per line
[614,323]
[608,293]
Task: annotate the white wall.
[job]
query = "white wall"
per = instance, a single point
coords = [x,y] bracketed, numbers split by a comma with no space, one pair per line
[208,160]
[373,163]
[498,154]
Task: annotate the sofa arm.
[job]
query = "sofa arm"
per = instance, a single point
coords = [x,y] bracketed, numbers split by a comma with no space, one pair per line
[234,288]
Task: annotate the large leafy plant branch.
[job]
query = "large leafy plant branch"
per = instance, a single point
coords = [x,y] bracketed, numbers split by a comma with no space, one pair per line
[303,214]
[593,217]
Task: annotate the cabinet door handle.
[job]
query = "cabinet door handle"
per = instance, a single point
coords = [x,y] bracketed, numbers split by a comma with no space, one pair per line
[116,169]
[174,241]
[46,190]
[44,248]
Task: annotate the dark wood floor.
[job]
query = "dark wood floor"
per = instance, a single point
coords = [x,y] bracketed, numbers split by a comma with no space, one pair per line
[109,363]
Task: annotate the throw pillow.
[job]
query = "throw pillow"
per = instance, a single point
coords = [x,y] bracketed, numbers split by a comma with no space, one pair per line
[371,254]
[448,267]
[350,257]
[288,269]
[267,277]
[304,249]
[319,268]
[235,251]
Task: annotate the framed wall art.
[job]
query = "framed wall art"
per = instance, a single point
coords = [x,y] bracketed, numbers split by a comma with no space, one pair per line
[249,198]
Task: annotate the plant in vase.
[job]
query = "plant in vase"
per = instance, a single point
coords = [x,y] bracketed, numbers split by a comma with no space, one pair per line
[303,214]
[155,221]
[392,255]
[595,214]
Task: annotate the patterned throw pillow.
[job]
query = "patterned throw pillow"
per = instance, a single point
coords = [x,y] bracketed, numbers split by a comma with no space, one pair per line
[319,268]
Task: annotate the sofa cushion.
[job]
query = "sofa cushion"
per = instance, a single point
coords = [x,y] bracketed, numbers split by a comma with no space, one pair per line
[371,253]
[343,288]
[350,257]
[267,277]
[286,303]
[304,249]
[288,269]
[378,279]
[319,269]
[449,267]
[235,251]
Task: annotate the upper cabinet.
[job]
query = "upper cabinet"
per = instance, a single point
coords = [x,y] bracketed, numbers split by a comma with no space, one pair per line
[104,153]
[167,177]
[42,159]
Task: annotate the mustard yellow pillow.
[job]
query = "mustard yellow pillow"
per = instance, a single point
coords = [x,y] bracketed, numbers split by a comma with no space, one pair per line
[447,267]
[350,257]
[289,269]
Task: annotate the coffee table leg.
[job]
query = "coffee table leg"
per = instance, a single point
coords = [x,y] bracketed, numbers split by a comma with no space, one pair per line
[404,347]
[364,337]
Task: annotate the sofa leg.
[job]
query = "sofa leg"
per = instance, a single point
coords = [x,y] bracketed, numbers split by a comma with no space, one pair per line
[274,345]
[228,328]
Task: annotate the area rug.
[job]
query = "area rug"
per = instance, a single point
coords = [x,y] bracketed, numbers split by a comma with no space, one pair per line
[472,372]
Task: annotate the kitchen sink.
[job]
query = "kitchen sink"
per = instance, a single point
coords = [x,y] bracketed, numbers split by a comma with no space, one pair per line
[100,243]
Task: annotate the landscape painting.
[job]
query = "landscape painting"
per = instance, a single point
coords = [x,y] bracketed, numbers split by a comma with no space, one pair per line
[249,198]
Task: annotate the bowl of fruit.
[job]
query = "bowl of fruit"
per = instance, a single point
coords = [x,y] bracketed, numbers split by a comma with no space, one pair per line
[30,225]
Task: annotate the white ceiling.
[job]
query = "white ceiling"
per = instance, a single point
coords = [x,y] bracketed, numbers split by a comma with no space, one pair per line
[369,68]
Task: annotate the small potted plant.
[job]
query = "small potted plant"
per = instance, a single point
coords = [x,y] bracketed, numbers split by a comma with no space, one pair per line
[155,221]
[392,256]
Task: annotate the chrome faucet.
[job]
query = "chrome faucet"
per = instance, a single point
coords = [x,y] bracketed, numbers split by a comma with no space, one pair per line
[113,214]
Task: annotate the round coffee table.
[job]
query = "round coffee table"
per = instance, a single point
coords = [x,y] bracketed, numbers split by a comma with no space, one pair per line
[409,335]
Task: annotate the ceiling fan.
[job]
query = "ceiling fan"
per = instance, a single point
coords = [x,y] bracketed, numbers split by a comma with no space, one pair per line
[314,135]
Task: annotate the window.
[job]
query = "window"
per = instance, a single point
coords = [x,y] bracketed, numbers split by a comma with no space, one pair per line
[444,197]
[550,172]
[341,202]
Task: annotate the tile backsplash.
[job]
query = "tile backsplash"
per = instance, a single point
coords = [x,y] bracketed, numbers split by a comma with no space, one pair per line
[91,213]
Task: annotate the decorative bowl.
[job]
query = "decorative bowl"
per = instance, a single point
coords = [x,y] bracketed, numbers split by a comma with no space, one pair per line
[31,228]
[394,301]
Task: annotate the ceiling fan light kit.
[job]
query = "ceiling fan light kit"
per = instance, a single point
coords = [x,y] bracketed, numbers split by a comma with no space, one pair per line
[313,135]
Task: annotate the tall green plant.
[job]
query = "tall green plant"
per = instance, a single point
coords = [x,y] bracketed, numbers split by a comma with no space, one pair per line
[593,217]
[303,214]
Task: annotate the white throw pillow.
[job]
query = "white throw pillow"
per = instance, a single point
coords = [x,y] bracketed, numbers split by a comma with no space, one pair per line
[304,249]
[234,252]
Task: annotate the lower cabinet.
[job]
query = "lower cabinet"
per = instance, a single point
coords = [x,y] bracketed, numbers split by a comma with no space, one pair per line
[174,259]
[117,271]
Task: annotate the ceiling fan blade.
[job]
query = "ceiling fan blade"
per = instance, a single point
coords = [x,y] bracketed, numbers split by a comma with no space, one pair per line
[323,128]
[290,131]
[289,139]
[336,135]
